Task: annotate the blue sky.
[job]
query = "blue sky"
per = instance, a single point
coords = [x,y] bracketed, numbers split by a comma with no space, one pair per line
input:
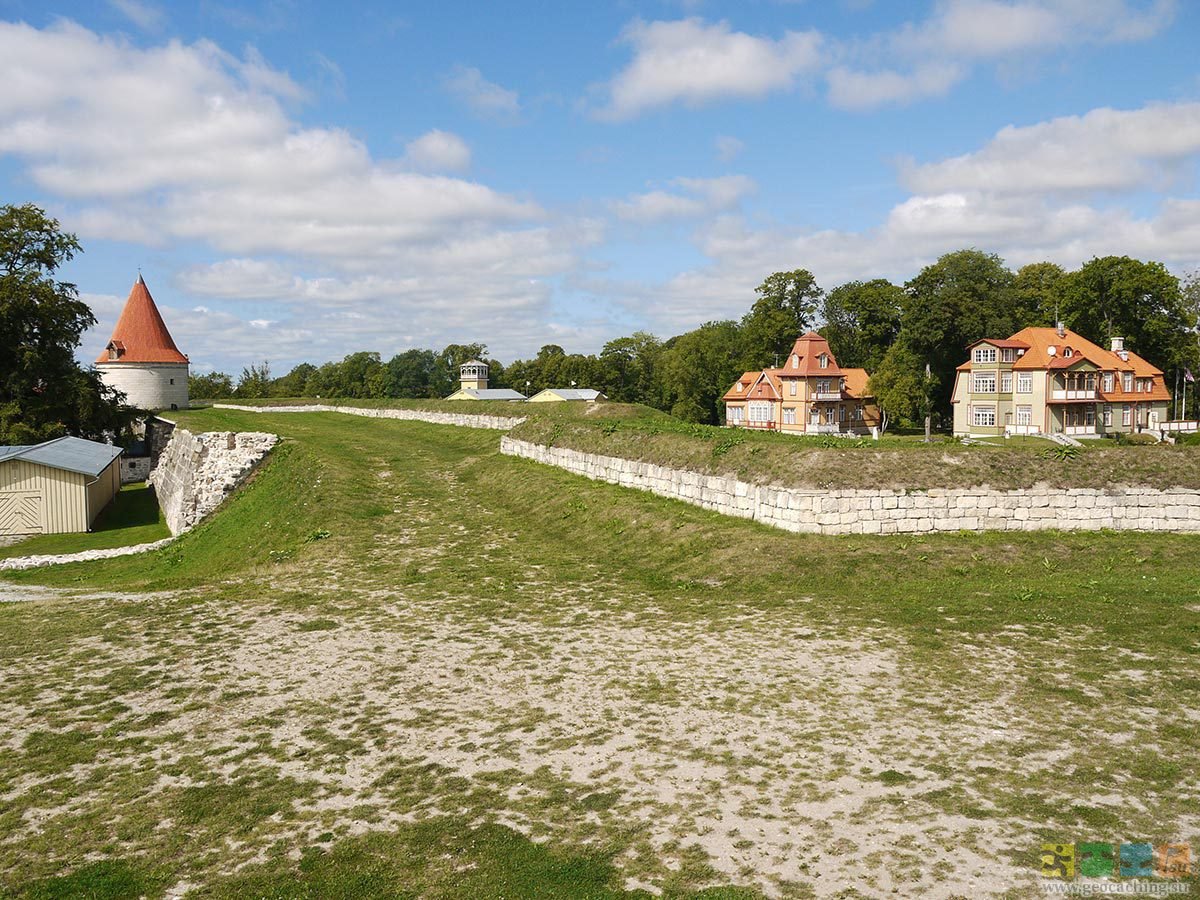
[299,180]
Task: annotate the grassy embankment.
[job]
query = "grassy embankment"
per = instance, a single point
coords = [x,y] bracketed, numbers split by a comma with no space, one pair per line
[394,639]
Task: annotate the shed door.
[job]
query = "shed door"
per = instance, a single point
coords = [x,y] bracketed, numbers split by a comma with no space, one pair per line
[21,512]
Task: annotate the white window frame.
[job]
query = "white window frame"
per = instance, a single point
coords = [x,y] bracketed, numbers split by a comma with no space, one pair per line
[980,416]
[795,361]
[1108,382]
[1126,415]
[983,382]
[1006,382]
[792,388]
[758,411]
[824,361]
[1024,383]
[1127,382]
[1006,354]
[1025,415]
[985,354]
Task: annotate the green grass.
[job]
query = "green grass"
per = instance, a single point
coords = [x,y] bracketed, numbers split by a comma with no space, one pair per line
[400,703]
[132,518]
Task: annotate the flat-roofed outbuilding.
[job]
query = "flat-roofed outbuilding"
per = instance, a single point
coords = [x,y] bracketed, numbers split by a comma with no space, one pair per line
[56,487]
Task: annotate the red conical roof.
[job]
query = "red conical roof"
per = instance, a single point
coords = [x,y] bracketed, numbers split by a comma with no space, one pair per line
[141,336]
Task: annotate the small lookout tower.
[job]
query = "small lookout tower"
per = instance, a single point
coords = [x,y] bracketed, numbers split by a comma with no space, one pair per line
[473,374]
[141,358]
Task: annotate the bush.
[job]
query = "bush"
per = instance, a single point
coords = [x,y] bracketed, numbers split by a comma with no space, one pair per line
[1140,439]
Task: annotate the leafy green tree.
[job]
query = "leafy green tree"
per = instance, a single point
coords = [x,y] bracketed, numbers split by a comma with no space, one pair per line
[697,368]
[964,296]
[904,387]
[1039,294]
[212,386]
[861,320]
[255,382]
[1116,296]
[627,369]
[44,393]
[294,383]
[411,374]
[360,375]
[784,310]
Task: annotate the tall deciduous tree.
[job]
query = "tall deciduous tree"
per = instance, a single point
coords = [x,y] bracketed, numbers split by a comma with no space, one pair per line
[784,310]
[697,369]
[1039,294]
[1116,296]
[44,393]
[964,296]
[861,321]
[903,386]
[212,386]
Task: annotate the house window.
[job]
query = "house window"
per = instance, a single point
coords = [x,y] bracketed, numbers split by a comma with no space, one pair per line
[814,416]
[112,353]
[1024,383]
[741,387]
[823,386]
[1024,415]
[1107,415]
[1108,381]
[1068,353]
[858,414]
[1127,382]
[1089,416]
[984,416]
[792,388]
[1125,415]
[824,361]
[1006,382]
[759,411]
[789,416]
[841,414]
[985,354]
[984,383]
[1006,354]
[795,361]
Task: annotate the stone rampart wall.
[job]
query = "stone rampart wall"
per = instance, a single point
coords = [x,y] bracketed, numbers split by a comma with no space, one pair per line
[134,468]
[849,511]
[197,471]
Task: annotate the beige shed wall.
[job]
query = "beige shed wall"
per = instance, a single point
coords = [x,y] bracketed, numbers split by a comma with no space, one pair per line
[100,493]
[64,496]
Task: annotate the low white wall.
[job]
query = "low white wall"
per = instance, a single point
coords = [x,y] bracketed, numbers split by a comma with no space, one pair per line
[848,511]
[197,471]
[502,423]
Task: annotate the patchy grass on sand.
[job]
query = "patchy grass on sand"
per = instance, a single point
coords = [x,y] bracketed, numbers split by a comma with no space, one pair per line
[399,664]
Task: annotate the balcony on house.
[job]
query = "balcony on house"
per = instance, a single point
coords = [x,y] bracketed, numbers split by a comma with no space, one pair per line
[1074,386]
[827,396]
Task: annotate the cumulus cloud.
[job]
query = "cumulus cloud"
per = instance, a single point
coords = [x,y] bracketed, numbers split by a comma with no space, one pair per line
[1103,150]
[694,62]
[692,198]
[311,233]
[853,89]
[438,151]
[485,97]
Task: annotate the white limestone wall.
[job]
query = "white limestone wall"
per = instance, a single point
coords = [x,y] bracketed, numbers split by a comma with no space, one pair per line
[149,385]
[502,423]
[196,472]
[849,511]
[135,468]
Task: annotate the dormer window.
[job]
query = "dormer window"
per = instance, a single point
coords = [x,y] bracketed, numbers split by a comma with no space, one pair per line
[741,387]
[824,361]
[115,349]
[795,361]
[985,354]
[1068,353]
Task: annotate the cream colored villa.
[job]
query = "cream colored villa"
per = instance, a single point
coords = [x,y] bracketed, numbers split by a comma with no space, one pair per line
[1053,381]
[809,394]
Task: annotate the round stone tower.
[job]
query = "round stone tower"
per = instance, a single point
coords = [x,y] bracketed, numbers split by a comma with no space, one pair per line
[141,358]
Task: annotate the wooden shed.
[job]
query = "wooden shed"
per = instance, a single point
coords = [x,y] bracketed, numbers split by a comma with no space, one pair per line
[56,487]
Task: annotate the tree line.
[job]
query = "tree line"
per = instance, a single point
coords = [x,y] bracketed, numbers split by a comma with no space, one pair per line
[910,337]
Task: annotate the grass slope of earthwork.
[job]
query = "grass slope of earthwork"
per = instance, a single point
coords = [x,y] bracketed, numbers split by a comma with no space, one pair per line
[399,664]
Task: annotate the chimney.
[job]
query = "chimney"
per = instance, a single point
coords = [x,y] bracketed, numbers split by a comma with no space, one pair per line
[1118,344]
[1060,329]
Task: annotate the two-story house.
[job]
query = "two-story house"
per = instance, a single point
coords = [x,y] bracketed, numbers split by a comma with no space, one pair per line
[1054,381]
[808,394]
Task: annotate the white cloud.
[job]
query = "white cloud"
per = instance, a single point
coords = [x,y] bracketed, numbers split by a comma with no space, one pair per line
[693,198]
[146,16]
[728,148]
[438,151]
[989,29]
[1104,150]
[693,62]
[853,89]
[484,97]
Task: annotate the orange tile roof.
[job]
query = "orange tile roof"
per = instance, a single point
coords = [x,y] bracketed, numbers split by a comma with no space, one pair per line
[141,333]
[808,348]
[856,382]
[745,381]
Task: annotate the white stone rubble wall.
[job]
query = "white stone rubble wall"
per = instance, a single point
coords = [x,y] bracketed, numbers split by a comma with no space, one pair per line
[198,471]
[502,423]
[33,562]
[135,468]
[881,511]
